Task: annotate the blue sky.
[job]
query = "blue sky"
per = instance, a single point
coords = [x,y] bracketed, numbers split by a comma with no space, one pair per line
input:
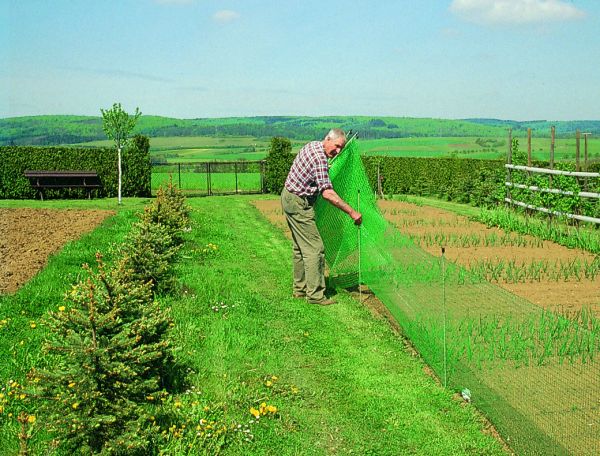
[508,59]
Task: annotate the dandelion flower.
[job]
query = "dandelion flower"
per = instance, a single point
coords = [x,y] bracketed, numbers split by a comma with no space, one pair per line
[31,419]
[61,308]
[33,325]
[269,383]
[75,405]
[71,385]
[254,412]
[272,409]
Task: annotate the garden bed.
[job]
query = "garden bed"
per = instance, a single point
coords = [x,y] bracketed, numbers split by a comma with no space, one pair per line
[423,224]
[29,236]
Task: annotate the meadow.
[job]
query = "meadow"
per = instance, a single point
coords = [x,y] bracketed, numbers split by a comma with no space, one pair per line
[211,148]
[261,372]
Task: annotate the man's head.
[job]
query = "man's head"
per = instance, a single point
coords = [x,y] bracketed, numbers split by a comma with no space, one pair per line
[334,142]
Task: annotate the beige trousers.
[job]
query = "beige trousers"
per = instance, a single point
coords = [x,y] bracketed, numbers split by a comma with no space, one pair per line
[308,249]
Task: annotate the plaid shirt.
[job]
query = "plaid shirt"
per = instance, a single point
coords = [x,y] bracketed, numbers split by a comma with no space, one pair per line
[309,173]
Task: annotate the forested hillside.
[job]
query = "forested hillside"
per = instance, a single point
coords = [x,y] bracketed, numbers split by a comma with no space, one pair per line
[76,129]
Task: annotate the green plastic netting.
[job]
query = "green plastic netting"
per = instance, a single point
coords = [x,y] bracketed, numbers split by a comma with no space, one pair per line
[342,238]
[534,373]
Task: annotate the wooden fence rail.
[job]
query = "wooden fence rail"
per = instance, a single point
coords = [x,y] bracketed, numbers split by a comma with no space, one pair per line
[550,172]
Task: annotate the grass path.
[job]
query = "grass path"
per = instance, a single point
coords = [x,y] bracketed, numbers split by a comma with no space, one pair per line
[341,380]
[358,390]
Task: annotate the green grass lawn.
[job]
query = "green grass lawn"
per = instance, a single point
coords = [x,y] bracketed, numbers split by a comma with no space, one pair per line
[197,183]
[341,380]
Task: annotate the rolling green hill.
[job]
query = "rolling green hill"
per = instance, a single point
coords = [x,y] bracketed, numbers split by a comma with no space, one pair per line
[63,129]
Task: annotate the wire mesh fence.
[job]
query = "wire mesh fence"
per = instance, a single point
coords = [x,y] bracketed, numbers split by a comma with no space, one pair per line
[533,372]
[212,178]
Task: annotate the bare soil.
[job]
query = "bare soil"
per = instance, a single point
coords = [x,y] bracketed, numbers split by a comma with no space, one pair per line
[29,236]
[423,221]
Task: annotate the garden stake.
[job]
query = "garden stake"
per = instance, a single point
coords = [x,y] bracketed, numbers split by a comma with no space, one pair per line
[358,209]
[444,326]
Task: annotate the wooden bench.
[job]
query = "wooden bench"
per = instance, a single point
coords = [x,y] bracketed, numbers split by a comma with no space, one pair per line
[41,180]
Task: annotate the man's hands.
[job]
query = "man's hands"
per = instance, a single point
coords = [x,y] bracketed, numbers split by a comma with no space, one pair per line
[357,217]
[330,195]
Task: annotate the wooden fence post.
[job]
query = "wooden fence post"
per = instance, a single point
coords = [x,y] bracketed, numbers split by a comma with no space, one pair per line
[577,149]
[585,158]
[509,161]
[529,147]
[552,141]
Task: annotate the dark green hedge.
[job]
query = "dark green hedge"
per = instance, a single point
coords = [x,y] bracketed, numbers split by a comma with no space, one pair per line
[278,163]
[14,160]
[471,181]
[477,182]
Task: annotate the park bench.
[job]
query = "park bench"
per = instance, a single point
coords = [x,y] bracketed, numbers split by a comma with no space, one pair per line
[41,180]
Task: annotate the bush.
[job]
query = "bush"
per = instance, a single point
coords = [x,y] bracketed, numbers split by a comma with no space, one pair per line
[147,256]
[107,345]
[14,160]
[477,182]
[170,210]
[278,163]
[137,168]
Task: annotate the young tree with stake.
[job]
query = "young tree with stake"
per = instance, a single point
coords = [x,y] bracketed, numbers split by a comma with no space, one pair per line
[117,125]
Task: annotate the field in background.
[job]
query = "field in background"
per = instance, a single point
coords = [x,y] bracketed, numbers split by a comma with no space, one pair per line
[208,148]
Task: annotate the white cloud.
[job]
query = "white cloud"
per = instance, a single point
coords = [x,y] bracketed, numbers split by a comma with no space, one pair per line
[515,11]
[226,16]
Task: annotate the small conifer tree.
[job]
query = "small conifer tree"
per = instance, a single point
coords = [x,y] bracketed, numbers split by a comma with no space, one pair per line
[148,254]
[170,210]
[108,346]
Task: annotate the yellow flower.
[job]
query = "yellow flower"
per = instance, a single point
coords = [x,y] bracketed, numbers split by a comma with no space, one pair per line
[271,408]
[254,412]
[31,419]
[75,405]
[269,383]
[61,308]
[274,378]
[150,398]
[71,385]
[32,324]
[177,404]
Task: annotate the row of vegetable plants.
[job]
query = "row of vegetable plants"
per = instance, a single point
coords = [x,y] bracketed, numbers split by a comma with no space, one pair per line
[538,336]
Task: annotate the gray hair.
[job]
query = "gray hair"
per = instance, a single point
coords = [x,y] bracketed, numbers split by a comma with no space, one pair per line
[336,133]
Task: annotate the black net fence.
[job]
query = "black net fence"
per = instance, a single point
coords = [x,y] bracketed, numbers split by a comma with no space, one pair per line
[533,372]
[212,178]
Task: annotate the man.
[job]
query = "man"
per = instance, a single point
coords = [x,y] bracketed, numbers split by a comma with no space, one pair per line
[309,176]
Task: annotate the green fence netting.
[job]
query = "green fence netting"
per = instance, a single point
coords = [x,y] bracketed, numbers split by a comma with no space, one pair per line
[533,372]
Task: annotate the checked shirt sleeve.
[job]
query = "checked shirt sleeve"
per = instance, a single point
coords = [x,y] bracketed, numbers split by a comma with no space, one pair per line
[322,173]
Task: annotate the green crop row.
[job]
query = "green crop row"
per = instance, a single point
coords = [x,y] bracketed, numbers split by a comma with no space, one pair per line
[578,237]
[511,271]
[475,240]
